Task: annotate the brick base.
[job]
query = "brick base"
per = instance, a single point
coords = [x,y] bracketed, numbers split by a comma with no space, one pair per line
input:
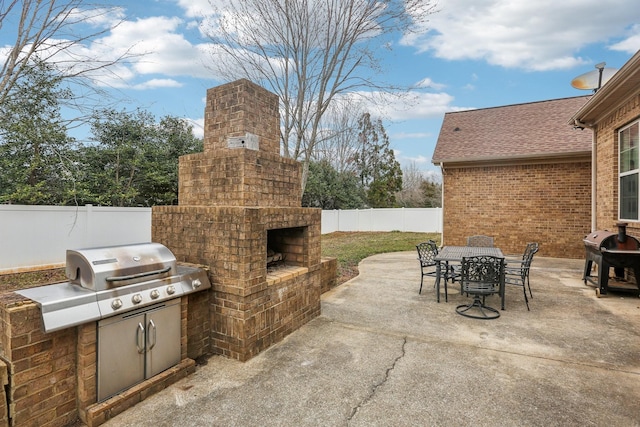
[4,380]
[101,412]
[329,268]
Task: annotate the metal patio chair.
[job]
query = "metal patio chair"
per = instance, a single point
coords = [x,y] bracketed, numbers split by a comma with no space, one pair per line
[483,241]
[481,276]
[516,272]
[427,251]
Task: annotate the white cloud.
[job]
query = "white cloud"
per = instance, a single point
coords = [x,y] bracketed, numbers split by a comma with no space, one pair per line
[195,8]
[411,135]
[631,44]
[160,47]
[531,35]
[198,126]
[430,84]
[414,105]
[157,83]
[418,159]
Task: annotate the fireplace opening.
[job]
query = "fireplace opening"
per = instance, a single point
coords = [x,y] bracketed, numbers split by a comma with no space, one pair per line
[286,247]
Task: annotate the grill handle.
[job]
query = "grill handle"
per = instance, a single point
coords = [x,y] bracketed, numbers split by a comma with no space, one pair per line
[140,338]
[137,275]
[152,327]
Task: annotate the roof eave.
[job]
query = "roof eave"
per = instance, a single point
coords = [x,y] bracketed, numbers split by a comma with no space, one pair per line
[620,87]
[565,157]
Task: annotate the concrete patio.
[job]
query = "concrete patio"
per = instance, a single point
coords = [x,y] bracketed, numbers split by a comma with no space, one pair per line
[382,355]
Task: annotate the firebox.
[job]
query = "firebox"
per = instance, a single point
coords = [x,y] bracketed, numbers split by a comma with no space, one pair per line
[285,246]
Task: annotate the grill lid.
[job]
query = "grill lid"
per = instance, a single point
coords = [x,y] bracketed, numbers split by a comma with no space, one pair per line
[603,240]
[596,238]
[105,267]
[112,280]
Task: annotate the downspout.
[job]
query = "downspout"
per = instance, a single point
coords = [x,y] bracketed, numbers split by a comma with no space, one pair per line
[442,206]
[594,169]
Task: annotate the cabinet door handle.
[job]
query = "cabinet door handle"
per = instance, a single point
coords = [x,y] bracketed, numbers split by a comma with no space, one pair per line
[152,328]
[140,338]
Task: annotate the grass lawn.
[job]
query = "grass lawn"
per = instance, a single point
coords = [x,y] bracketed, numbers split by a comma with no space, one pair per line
[352,247]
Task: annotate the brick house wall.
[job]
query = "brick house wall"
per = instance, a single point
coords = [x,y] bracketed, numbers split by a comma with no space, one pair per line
[606,134]
[517,204]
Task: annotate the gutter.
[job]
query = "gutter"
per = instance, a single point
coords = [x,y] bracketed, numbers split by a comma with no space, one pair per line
[542,157]
[442,205]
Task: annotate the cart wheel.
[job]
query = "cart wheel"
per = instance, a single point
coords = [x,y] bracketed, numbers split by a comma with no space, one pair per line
[598,293]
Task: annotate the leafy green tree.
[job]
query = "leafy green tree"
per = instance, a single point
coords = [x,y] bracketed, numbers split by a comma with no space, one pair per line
[134,161]
[36,155]
[431,193]
[329,189]
[380,172]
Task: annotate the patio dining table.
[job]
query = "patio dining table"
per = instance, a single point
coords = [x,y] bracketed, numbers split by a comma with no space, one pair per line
[455,254]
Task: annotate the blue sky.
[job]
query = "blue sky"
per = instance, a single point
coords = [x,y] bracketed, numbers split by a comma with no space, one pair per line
[472,54]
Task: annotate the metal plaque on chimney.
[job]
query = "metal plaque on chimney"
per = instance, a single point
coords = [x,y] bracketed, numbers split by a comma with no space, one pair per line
[249,141]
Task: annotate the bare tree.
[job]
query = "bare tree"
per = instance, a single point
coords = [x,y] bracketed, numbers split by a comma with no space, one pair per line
[410,196]
[52,32]
[308,52]
[419,189]
[338,135]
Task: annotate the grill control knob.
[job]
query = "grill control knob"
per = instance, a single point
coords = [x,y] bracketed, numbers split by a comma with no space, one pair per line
[116,303]
[171,289]
[155,294]
[136,299]
[196,283]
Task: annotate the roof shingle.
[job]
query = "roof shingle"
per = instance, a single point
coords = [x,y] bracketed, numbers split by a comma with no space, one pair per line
[537,129]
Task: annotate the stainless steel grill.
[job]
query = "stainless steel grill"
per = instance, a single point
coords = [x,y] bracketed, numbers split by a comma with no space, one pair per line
[108,281]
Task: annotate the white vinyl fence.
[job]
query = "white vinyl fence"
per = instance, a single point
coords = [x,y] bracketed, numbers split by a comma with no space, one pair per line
[38,236]
[33,236]
[403,219]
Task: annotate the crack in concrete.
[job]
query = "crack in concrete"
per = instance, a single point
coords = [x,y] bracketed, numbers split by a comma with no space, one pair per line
[375,387]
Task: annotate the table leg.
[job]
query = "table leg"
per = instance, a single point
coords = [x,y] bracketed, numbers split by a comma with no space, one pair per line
[502,286]
[438,271]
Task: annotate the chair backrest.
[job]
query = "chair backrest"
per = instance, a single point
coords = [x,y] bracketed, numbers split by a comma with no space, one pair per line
[527,257]
[482,274]
[530,251]
[427,251]
[480,241]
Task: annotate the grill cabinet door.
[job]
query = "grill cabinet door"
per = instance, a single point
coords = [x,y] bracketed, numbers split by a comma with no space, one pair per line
[120,357]
[163,337]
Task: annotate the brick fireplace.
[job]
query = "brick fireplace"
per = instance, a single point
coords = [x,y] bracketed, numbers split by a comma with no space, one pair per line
[238,200]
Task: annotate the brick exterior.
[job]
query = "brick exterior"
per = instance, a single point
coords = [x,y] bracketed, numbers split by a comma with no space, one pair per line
[4,381]
[607,170]
[239,177]
[234,203]
[42,367]
[517,204]
[329,278]
[246,310]
[51,379]
[241,107]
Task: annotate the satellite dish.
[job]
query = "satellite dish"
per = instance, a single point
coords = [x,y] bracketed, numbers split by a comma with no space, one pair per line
[593,80]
